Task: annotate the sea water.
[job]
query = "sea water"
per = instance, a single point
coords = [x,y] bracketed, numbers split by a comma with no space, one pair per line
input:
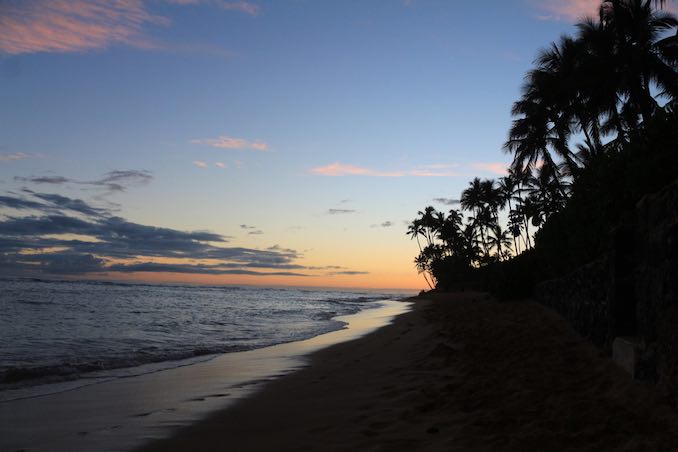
[59,335]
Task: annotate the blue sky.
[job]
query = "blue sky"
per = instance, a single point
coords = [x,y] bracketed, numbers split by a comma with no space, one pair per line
[321,126]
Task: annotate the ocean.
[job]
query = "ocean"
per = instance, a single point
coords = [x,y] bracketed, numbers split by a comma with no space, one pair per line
[60,335]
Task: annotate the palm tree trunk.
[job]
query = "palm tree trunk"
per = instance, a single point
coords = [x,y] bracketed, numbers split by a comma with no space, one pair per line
[427,282]
[515,243]
[527,233]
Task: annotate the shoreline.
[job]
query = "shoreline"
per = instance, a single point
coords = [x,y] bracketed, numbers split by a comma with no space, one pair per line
[459,372]
[123,413]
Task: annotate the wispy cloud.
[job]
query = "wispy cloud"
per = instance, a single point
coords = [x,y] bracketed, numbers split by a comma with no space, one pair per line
[569,10]
[31,26]
[493,167]
[225,142]
[240,6]
[220,165]
[18,155]
[339,169]
[446,201]
[339,211]
[200,164]
[244,7]
[113,181]
[575,10]
[385,224]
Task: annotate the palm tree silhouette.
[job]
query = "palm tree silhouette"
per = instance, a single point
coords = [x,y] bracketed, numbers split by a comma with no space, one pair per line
[641,55]
[500,241]
[507,187]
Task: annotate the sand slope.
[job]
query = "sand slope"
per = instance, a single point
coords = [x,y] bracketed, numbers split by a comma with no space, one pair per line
[460,372]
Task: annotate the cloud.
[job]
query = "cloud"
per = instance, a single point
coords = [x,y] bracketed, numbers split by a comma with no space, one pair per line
[111,240]
[65,236]
[447,201]
[18,203]
[31,26]
[569,10]
[57,180]
[113,181]
[244,7]
[220,165]
[339,211]
[385,224]
[74,205]
[339,169]
[240,6]
[200,163]
[224,142]
[199,269]
[350,272]
[51,203]
[17,155]
[496,168]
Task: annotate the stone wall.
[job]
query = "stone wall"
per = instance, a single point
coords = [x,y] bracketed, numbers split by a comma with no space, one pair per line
[581,297]
[655,282]
[632,291]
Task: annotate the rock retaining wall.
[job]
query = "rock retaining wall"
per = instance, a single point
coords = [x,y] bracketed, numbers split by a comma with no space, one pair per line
[633,291]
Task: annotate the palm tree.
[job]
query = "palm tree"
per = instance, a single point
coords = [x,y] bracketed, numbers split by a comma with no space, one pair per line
[547,110]
[491,197]
[515,226]
[500,241]
[640,55]
[469,244]
[600,82]
[428,223]
[508,190]
[415,229]
[473,201]
[450,231]
[422,263]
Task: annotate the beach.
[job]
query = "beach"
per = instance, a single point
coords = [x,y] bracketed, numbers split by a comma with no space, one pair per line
[459,372]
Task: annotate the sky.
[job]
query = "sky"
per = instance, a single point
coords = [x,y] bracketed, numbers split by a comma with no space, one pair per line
[282,142]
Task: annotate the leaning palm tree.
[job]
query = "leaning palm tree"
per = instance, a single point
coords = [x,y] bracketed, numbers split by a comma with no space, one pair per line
[422,263]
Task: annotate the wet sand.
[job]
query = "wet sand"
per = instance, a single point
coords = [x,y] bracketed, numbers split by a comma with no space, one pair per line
[459,372]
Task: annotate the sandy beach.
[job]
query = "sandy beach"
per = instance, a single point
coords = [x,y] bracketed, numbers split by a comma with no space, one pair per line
[459,372]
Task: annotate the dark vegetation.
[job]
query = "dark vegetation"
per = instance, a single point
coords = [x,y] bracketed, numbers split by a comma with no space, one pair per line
[596,128]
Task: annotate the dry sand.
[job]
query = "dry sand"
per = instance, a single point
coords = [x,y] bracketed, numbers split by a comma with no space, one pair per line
[459,372]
